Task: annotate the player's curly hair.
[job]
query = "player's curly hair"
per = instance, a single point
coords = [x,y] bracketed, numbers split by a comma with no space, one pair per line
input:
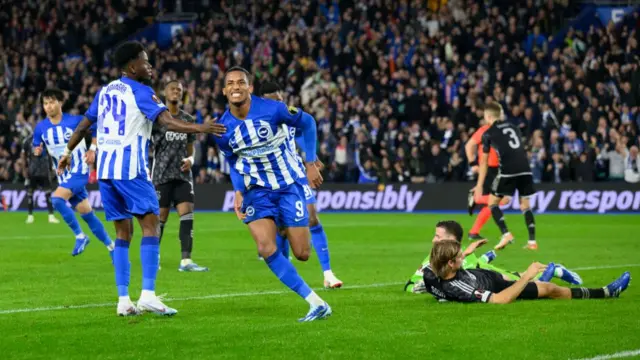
[452,227]
[127,52]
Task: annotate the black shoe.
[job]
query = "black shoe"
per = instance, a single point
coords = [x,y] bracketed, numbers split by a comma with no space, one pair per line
[471,203]
[475,237]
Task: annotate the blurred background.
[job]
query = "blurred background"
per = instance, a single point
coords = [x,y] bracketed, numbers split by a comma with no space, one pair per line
[396,86]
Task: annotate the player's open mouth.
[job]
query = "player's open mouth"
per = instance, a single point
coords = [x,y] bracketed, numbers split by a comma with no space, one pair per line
[236,95]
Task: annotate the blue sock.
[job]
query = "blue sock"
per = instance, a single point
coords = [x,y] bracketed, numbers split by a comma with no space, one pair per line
[67,214]
[122,266]
[149,251]
[284,270]
[97,228]
[321,245]
[283,245]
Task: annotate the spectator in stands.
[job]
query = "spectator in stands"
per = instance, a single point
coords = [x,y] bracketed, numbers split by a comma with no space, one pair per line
[632,166]
[386,81]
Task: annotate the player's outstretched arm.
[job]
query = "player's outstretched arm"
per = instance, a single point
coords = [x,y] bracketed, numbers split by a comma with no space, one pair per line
[77,136]
[208,127]
[512,292]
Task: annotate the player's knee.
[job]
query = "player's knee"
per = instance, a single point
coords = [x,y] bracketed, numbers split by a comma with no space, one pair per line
[505,200]
[302,254]
[524,208]
[266,249]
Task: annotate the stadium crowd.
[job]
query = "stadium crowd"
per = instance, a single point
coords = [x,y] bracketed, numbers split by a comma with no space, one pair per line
[396,87]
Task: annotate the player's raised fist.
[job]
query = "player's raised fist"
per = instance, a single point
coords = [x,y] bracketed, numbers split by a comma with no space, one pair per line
[212,127]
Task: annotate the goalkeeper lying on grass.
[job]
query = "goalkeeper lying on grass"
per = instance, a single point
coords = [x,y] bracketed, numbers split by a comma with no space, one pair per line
[451,230]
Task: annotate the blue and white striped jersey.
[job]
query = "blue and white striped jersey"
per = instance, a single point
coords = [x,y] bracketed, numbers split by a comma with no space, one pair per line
[55,137]
[124,111]
[258,147]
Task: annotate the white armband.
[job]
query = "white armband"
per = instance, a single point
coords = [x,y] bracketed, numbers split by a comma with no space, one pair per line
[93,147]
[190,158]
[66,152]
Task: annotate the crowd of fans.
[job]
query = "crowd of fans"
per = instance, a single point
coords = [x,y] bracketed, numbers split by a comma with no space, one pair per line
[396,87]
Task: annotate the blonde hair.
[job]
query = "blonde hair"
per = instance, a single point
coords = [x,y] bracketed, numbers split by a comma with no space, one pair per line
[494,110]
[441,253]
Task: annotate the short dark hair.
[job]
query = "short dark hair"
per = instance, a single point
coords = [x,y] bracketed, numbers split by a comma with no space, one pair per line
[240,69]
[52,93]
[452,227]
[126,52]
[269,87]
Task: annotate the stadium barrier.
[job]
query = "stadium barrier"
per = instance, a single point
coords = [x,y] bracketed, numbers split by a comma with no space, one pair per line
[603,197]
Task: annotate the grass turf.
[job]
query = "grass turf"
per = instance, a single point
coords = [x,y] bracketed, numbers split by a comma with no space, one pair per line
[222,315]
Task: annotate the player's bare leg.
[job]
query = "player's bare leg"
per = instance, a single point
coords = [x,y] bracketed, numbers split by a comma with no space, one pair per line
[299,238]
[319,237]
[59,200]
[498,217]
[185,211]
[530,222]
[149,251]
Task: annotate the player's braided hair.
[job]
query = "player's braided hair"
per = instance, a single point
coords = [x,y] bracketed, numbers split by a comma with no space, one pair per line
[451,227]
[127,52]
[441,253]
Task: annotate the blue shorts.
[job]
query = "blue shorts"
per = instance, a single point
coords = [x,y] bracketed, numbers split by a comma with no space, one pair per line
[122,199]
[285,206]
[309,196]
[77,185]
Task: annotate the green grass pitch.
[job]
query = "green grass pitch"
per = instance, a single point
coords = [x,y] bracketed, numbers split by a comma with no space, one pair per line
[222,314]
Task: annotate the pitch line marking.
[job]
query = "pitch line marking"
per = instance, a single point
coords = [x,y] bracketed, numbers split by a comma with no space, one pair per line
[256,293]
[618,355]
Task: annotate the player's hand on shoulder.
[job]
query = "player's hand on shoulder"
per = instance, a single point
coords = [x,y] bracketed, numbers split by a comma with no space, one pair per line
[213,127]
[534,269]
[313,175]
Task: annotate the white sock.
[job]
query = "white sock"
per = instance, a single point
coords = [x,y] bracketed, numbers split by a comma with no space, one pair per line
[80,236]
[314,300]
[532,242]
[329,273]
[124,299]
[111,246]
[558,272]
[185,262]
[147,294]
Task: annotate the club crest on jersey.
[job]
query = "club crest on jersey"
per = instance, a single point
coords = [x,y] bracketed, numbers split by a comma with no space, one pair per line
[67,134]
[264,131]
[250,211]
[155,99]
